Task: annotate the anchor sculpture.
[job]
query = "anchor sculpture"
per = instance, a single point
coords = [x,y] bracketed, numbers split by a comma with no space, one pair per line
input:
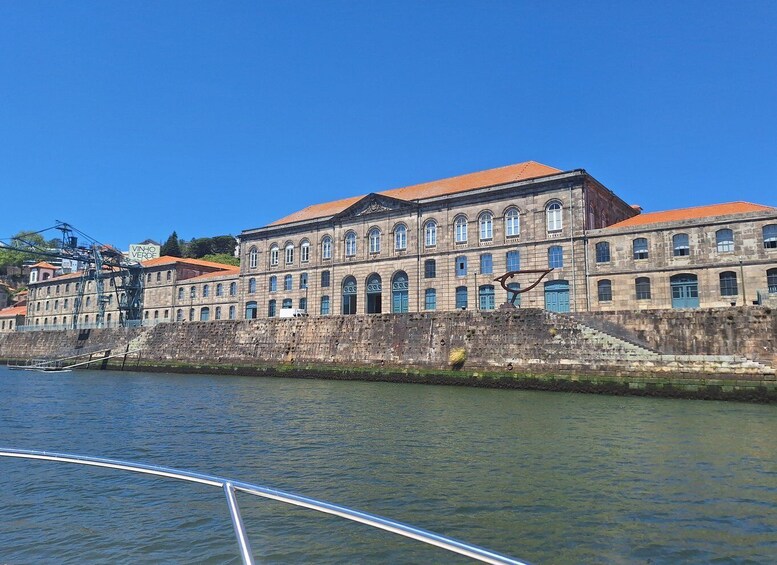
[516,291]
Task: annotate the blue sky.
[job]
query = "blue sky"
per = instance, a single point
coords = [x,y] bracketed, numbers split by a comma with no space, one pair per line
[133,119]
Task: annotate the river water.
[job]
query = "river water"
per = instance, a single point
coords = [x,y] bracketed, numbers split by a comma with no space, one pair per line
[544,477]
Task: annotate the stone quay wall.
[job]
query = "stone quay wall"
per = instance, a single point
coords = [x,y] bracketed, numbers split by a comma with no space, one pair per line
[519,348]
[750,331]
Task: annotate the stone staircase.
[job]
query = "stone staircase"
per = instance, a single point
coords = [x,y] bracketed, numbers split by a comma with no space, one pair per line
[595,348]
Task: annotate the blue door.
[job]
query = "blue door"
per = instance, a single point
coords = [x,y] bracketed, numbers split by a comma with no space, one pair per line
[685,291]
[399,293]
[557,296]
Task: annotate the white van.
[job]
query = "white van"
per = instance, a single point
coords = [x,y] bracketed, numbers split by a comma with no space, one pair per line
[292,313]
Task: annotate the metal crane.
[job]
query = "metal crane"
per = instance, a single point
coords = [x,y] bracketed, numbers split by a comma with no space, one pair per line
[102,262]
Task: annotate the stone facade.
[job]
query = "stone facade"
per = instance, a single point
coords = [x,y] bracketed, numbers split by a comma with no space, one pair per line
[394,263]
[729,258]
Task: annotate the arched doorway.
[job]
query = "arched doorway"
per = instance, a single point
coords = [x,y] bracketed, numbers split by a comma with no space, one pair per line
[374,294]
[349,295]
[399,293]
[557,296]
[685,291]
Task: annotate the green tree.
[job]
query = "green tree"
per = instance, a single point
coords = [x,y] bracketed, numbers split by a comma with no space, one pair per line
[172,246]
[14,253]
[225,258]
[199,247]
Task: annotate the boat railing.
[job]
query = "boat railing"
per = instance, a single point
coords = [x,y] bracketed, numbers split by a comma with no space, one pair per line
[231,486]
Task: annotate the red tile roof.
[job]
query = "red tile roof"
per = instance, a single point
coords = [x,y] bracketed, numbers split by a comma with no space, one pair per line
[168,260]
[229,272]
[453,185]
[44,265]
[13,311]
[725,209]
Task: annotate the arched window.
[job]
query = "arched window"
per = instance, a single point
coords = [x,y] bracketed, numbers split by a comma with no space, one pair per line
[326,247]
[218,312]
[350,244]
[771,280]
[486,264]
[430,233]
[169,276]
[430,299]
[512,297]
[325,305]
[604,288]
[219,289]
[555,257]
[233,289]
[460,227]
[289,253]
[271,309]
[461,266]
[191,314]
[486,222]
[251,285]
[400,293]
[725,240]
[193,292]
[304,252]
[642,287]
[486,297]
[252,256]
[288,282]
[374,237]
[274,254]
[206,290]
[400,237]
[553,216]
[251,310]
[512,222]
[287,303]
[603,252]
[232,313]
[179,315]
[640,247]
[204,314]
[273,284]
[728,284]
[325,278]
[374,294]
[770,236]
[349,295]
[680,245]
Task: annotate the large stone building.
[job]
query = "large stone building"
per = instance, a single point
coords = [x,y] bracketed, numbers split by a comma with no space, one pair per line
[440,245]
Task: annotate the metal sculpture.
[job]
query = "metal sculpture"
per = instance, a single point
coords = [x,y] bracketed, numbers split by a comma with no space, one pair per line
[516,291]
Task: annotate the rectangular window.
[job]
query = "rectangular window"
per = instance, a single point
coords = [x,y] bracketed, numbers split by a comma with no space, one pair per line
[555,257]
[461,298]
[324,305]
[324,279]
[486,264]
[603,252]
[303,280]
[643,288]
[430,299]
[430,269]
[461,266]
[513,261]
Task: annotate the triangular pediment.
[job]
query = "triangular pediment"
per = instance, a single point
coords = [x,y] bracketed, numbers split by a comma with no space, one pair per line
[375,204]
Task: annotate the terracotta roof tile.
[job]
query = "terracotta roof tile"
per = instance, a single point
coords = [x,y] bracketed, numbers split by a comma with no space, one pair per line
[725,209]
[44,265]
[13,311]
[453,185]
[168,260]
[229,272]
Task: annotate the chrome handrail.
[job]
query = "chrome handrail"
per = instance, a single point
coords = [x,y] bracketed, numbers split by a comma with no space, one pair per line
[230,486]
